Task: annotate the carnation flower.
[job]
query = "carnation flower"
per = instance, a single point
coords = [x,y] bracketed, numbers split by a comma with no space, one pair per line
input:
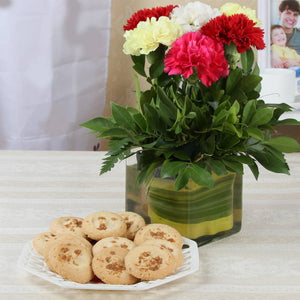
[193,15]
[230,9]
[148,35]
[144,14]
[237,29]
[196,51]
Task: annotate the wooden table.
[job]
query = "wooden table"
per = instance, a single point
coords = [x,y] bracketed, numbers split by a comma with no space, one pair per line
[260,262]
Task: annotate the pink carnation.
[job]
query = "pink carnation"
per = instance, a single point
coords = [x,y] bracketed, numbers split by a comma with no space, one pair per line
[195,50]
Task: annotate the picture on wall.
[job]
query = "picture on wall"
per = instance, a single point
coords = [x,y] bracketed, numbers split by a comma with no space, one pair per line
[280,61]
[285,34]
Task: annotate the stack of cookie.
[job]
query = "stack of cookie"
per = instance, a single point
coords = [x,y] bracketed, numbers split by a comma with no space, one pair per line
[117,248]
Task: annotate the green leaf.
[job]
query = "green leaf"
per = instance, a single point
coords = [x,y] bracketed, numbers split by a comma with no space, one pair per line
[288,122]
[117,146]
[233,112]
[114,133]
[122,116]
[152,118]
[146,98]
[156,69]
[233,166]
[261,117]
[171,168]
[270,161]
[182,179]
[254,169]
[250,82]
[157,55]
[201,176]
[284,144]
[140,121]
[98,124]
[228,142]
[256,133]
[233,80]
[249,111]
[217,167]
[180,154]
[247,59]
[139,64]
[164,79]
[232,129]
[256,69]
[108,163]
[150,145]
[280,109]
[209,145]
[219,118]
[163,97]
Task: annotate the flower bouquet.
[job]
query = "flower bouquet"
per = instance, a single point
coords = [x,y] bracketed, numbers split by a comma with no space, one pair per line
[199,122]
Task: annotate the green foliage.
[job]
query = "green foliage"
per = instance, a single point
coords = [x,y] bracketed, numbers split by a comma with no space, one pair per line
[189,131]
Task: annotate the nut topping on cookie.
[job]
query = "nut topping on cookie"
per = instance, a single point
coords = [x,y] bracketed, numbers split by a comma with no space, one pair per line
[115,267]
[67,225]
[103,224]
[102,227]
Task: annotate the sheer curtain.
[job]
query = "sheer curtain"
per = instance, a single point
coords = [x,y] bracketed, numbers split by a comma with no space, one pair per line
[53,71]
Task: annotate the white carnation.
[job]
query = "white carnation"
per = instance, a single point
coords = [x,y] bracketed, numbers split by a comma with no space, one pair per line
[193,15]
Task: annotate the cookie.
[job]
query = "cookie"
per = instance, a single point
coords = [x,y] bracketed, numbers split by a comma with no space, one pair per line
[172,247]
[108,265]
[158,231]
[104,224]
[113,242]
[41,240]
[67,225]
[149,262]
[133,222]
[71,260]
[67,237]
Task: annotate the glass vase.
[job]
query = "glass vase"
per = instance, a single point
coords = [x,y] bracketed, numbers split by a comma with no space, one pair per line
[197,212]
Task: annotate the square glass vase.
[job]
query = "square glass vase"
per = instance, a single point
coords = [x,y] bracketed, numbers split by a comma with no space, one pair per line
[198,213]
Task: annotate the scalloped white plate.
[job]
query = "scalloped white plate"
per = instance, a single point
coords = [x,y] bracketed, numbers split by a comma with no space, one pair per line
[34,263]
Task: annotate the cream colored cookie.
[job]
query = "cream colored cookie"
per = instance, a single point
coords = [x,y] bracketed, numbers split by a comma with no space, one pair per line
[108,265]
[158,231]
[113,242]
[133,221]
[149,262]
[41,240]
[64,237]
[67,225]
[172,247]
[71,260]
[104,224]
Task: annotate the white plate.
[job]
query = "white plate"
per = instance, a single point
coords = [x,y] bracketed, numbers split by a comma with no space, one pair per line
[34,263]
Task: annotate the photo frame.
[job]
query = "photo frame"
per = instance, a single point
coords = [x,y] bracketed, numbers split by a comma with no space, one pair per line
[268,14]
[263,14]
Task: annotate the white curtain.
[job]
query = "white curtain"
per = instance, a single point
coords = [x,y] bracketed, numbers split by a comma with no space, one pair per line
[53,71]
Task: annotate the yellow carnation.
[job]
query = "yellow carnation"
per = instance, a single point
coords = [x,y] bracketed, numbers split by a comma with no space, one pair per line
[230,8]
[233,8]
[148,35]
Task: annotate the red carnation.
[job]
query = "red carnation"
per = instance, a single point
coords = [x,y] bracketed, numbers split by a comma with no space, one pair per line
[195,50]
[238,29]
[143,14]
